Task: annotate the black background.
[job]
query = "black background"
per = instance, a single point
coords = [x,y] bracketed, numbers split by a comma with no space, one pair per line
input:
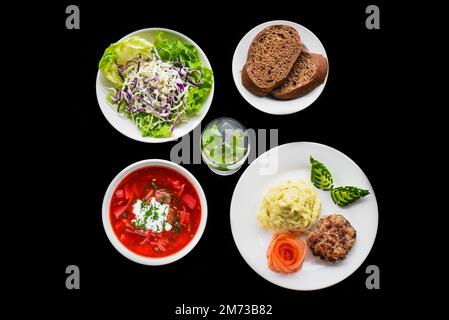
[79,164]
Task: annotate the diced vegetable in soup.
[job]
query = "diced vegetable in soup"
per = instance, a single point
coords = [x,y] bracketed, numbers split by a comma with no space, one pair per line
[155,211]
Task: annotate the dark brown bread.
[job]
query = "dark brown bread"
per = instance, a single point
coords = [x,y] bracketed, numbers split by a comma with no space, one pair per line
[270,58]
[308,72]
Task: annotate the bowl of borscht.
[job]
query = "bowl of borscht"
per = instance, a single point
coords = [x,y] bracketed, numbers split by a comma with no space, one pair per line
[154,212]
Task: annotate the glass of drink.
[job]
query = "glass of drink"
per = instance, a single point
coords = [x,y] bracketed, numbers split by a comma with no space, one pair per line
[224,146]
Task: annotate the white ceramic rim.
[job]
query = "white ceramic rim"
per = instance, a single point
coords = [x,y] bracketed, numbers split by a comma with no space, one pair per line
[107,222]
[242,252]
[198,118]
[275,110]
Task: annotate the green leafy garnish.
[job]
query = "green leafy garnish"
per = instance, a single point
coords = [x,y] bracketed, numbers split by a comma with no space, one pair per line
[151,212]
[164,198]
[177,228]
[344,196]
[320,175]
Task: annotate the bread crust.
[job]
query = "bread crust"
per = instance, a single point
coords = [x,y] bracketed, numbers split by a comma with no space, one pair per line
[317,79]
[247,80]
[251,86]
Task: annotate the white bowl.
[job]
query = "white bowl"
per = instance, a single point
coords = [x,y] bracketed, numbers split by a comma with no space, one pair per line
[107,221]
[268,104]
[128,128]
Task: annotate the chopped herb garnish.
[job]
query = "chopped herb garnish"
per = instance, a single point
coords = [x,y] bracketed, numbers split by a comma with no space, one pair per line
[151,216]
[177,228]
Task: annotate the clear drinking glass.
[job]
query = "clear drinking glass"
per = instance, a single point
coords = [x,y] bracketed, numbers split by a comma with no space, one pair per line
[224,145]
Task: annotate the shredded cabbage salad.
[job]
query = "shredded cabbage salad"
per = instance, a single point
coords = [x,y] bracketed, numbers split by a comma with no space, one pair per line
[157,85]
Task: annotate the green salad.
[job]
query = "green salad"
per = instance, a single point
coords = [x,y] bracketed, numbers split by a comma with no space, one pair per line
[156,85]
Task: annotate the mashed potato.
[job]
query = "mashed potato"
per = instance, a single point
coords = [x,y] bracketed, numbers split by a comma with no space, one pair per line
[289,206]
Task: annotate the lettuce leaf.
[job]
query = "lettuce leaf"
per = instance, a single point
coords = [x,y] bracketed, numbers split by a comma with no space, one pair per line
[121,52]
[171,48]
[144,122]
[198,95]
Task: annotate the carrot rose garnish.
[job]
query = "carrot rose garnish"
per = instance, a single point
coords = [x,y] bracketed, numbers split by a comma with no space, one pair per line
[286,253]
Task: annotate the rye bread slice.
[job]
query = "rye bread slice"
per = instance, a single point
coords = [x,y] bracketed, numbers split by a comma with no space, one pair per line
[271,56]
[308,72]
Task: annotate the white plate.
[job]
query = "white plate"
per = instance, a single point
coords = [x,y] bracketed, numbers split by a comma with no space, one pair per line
[293,163]
[268,104]
[124,125]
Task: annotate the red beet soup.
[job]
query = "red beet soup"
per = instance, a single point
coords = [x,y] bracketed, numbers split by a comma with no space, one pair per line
[155,211]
